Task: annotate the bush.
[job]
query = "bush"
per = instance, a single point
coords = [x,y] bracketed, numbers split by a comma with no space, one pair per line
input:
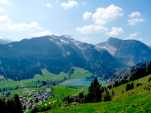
[109,86]
[107,96]
[41,108]
[129,86]
[139,84]
[149,79]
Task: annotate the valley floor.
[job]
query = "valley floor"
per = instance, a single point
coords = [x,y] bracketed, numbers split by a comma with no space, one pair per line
[136,100]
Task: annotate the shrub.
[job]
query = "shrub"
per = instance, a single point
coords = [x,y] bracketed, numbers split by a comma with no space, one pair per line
[139,84]
[149,79]
[109,86]
[129,86]
[41,109]
[107,96]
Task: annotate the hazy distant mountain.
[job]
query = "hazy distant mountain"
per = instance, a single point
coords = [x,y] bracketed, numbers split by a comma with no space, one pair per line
[4,41]
[24,59]
[130,52]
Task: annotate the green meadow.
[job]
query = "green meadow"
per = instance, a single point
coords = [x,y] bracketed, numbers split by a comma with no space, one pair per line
[137,100]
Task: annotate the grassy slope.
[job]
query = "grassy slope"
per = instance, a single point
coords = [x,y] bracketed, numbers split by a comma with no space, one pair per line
[29,84]
[62,91]
[137,100]
[45,76]
[80,73]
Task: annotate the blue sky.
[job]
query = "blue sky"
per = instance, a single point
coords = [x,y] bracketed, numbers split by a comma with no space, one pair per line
[91,21]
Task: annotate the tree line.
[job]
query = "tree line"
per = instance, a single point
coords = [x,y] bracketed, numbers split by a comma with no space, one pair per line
[12,105]
[138,71]
[96,93]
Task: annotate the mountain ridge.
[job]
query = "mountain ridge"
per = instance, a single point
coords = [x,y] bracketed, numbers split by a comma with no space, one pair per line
[24,59]
[130,51]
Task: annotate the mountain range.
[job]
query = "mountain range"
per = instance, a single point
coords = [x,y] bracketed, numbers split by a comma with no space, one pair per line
[25,58]
[130,52]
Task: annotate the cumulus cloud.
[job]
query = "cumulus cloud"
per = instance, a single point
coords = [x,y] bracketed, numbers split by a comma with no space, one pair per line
[99,18]
[48,5]
[104,15]
[115,31]
[87,15]
[134,35]
[21,29]
[2,9]
[69,4]
[5,2]
[134,18]
[91,29]
[3,19]
[18,30]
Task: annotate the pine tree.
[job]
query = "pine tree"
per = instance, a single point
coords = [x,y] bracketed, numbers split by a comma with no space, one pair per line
[18,104]
[95,92]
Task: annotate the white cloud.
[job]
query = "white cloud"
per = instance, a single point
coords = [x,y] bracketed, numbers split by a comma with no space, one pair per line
[21,30]
[134,35]
[69,4]
[2,10]
[41,32]
[48,5]
[87,15]
[5,2]
[134,18]
[115,31]
[91,29]
[104,15]
[100,18]
[4,19]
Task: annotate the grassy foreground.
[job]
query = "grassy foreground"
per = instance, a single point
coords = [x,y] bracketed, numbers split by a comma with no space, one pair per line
[137,100]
